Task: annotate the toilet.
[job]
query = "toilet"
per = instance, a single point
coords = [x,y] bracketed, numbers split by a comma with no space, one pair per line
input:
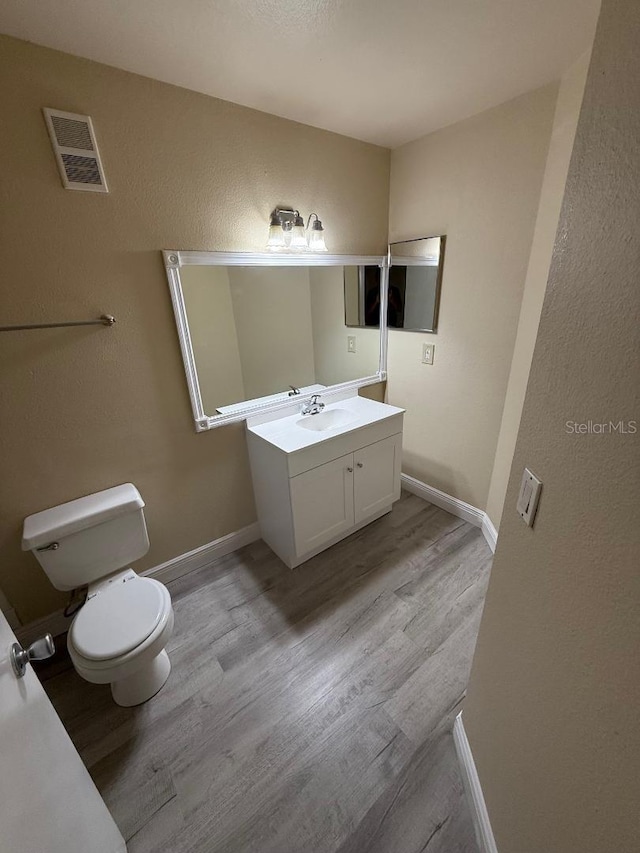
[119,635]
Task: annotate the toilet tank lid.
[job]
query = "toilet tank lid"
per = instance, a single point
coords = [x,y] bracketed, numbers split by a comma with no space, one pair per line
[45,527]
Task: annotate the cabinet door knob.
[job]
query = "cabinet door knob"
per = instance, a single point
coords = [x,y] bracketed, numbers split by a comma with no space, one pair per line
[350,470]
[360,465]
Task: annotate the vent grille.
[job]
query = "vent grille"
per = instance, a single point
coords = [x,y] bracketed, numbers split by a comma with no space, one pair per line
[81,170]
[76,151]
[71,133]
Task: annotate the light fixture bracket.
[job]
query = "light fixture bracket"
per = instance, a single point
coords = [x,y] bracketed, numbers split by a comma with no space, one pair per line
[285,216]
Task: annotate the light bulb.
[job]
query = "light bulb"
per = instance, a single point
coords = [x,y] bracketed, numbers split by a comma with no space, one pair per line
[298,237]
[276,234]
[316,236]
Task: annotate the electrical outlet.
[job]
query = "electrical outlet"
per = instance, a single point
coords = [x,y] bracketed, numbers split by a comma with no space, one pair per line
[427,353]
[351,343]
[528,497]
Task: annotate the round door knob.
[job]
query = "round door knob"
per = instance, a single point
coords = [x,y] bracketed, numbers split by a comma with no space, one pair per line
[350,470]
[360,465]
[39,650]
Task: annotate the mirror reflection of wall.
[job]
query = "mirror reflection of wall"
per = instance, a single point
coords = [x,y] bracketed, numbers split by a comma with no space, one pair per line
[257,330]
[415,278]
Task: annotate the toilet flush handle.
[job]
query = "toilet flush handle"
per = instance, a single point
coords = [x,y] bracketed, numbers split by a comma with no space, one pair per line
[39,650]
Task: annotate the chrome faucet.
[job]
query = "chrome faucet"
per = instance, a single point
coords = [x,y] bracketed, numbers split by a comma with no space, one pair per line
[294,391]
[312,406]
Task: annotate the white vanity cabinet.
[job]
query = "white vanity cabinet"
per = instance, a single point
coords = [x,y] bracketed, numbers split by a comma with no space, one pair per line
[322,504]
[329,501]
[312,492]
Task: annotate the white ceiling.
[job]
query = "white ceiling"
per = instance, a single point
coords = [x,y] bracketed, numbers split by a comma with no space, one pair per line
[385,71]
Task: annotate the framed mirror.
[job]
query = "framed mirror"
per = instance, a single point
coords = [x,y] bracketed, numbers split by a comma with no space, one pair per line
[256,331]
[415,282]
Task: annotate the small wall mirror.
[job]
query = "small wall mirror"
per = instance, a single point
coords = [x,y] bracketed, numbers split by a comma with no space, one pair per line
[415,281]
[257,329]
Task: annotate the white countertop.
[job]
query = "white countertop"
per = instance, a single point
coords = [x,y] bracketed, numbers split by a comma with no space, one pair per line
[286,433]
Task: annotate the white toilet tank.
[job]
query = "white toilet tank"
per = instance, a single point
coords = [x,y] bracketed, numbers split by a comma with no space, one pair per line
[84,540]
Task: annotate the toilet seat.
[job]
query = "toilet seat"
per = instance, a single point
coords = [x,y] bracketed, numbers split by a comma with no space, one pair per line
[114,669]
[118,617]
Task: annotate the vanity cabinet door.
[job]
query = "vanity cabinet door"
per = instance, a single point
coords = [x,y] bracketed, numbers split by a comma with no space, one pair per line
[322,504]
[377,477]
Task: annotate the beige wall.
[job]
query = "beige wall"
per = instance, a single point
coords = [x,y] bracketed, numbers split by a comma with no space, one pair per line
[84,409]
[272,315]
[562,136]
[552,707]
[207,299]
[479,183]
[256,331]
[333,362]
[352,295]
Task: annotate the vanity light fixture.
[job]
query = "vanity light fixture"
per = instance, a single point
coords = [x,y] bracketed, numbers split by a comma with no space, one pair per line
[287,231]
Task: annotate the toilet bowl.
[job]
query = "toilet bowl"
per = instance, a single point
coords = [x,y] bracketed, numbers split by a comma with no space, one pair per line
[118,637]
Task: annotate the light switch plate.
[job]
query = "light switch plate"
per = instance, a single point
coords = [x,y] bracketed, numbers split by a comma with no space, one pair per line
[529,496]
[427,353]
[351,343]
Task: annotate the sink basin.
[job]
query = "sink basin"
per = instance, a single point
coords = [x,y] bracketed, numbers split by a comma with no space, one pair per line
[329,419]
[294,432]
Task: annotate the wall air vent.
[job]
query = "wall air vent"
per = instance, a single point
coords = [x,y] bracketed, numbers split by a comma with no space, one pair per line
[76,150]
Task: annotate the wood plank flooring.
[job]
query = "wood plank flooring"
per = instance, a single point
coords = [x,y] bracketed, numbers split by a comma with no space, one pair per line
[307,710]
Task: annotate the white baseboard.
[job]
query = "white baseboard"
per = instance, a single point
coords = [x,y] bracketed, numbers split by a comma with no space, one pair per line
[12,618]
[205,554]
[455,506]
[473,789]
[489,532]
[57,623]
[9,613]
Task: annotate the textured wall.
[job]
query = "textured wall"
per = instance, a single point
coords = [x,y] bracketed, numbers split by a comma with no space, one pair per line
[332,360]
[272,315]
[552,708]
[89,408]
[555,176]
[207,300]
[479,183]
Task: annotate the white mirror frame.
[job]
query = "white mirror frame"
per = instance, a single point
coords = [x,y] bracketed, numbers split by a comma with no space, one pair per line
[174,260]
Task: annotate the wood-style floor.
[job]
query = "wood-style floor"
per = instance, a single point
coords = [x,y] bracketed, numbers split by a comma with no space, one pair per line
[307,710]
